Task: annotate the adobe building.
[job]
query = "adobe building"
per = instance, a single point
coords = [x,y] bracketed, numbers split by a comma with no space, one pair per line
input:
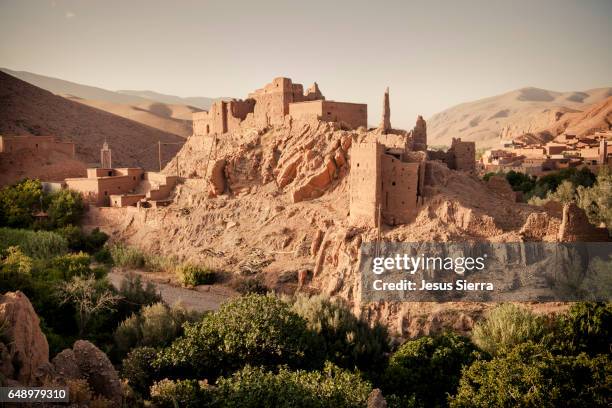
[272,104]
[388,171]
[385,183]
[461,156]
[41,144]
[122,187]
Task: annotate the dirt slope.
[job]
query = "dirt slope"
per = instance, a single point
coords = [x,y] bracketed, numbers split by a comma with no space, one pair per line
[509,115]
[26,109]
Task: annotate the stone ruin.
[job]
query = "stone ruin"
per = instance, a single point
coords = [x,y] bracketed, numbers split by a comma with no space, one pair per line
[278,101]
[388,171]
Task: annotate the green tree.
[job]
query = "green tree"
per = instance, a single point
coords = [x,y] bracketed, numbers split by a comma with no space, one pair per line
[347,340]
[332,387]
[586,327]
[66,207]
[428,368]
[18,203]
[252,329]
[89,298]
[596,201]
[531,376]
[156,325]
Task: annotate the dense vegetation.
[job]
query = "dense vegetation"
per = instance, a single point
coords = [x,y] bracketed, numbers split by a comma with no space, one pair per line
[590,192]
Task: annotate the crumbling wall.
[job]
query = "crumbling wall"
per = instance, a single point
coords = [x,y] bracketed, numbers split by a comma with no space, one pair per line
[419,135]
[462,156]
[575,227]
[42,144]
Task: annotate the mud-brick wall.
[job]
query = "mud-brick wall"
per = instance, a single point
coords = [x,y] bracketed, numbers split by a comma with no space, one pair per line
[365,182]
[353,114]
[400,183]
[306,110]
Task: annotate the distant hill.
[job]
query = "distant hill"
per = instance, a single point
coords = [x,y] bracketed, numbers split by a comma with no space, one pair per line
[27,109]
[201,102]
[514,113]
[62,87]
[169,118]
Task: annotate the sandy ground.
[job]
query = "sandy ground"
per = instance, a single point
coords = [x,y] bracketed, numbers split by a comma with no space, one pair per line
[202,298]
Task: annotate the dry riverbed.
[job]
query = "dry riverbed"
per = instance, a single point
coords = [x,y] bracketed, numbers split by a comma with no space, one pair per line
[201,298]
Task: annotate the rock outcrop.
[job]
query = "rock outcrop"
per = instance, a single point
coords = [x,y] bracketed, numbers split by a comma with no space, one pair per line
[86,361]
[575,226]
[24,347]
[376,399]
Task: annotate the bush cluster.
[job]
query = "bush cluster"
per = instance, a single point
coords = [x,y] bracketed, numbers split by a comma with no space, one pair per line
[194,275]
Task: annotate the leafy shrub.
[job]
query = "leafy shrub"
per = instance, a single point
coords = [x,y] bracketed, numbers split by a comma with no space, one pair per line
[254,387]
[156,325]
[245,286]
[184,393]
[531,376]
[193,275]
[66,207]
[80,241]
[160,263]
[348,341]
[586,327]
[428,368]
[127,257]
[253,329]
[66,266]
[103,256]
[138,370]
[135,294]
[15,262]
[35,244]
[506,326]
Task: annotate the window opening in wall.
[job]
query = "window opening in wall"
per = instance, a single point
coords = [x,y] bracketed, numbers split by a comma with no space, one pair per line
[393,183]
[110,173]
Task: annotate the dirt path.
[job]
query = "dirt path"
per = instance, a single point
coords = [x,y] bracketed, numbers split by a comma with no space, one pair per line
[202,298]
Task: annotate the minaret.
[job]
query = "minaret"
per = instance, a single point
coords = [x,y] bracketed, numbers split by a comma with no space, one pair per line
[105,157]
[385,125]
[603,151]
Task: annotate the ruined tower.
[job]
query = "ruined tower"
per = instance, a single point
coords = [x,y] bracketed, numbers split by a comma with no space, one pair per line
[105,157]
[385,124]
[603,151]
[419,135]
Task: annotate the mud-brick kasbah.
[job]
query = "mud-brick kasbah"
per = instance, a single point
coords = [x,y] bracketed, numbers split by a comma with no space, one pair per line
[388,166]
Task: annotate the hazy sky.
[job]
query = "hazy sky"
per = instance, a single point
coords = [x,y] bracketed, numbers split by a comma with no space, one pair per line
[432,54]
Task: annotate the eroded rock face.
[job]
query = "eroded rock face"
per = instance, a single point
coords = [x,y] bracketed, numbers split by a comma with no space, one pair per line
[86,361]
[575,226]
[216,180]
[27,348]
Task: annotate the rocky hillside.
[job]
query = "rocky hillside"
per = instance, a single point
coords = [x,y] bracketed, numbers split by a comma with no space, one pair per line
[509,115]
[28,110]
[274,204]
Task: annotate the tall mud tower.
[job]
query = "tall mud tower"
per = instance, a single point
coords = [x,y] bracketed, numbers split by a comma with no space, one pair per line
[385,124]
